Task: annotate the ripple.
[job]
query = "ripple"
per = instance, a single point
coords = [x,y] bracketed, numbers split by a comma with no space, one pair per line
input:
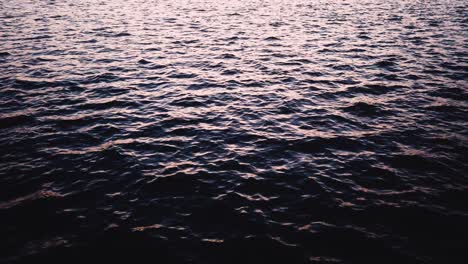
[143,61]
[365,109]
[13,120]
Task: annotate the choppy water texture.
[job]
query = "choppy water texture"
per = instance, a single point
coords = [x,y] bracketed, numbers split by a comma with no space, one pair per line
[233,131]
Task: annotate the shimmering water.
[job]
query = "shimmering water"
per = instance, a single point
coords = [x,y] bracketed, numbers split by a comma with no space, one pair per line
[233,131]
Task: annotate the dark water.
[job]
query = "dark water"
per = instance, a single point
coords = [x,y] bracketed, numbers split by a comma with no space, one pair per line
[233,131]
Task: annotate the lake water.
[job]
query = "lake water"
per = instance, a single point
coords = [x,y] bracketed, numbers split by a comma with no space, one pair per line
[209,131]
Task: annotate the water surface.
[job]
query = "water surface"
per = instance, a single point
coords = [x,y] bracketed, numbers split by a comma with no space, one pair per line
[233,131]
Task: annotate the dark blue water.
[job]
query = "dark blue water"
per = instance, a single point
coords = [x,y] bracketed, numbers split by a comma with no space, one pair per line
[233,131]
